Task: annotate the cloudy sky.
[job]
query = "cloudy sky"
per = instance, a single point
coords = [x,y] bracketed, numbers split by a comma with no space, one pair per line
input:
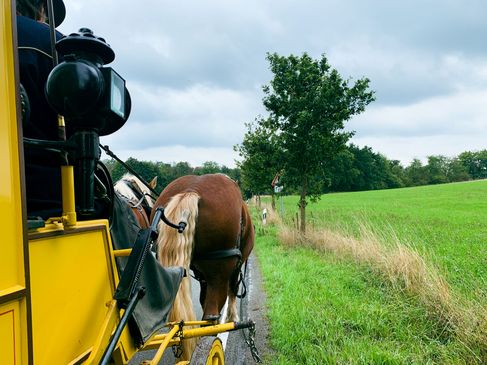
[195,70]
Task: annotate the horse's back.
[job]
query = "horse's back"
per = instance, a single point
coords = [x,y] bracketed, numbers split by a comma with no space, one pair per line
[219,206]
[208,185]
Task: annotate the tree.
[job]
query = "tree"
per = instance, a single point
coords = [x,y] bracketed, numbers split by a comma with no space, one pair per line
[234,174]
[396,175]
[457,171]
[260,158]
[358,168]
[416,173]
[475,163]
[342,171]
[208,167]
[370,167]
[164,175]
[181,169]
[308,103]
[146,169]
[438,169]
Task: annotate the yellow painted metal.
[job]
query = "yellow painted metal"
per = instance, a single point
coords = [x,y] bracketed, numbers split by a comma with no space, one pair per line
[72,277]
[13,285]
[10,333]
[69,209]
[125,349]
[163,346]
[71,263]
[208,330]
[122,253]
[111,319]
[60,121]
[216,355]
[194,323]
[11,258]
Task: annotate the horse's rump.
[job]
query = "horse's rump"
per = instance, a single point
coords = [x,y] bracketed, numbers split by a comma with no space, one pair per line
[220,205]
[222,225]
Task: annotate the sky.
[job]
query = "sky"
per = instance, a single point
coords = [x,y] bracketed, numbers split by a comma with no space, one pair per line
[195,70]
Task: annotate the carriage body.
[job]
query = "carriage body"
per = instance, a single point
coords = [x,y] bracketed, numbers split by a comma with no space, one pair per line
[56,279]
[59,276]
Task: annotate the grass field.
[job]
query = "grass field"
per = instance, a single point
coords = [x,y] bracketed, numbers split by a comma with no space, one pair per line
[446,223]
[325,309]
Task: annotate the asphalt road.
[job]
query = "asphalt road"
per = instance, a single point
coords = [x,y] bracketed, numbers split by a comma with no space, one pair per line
[251,307]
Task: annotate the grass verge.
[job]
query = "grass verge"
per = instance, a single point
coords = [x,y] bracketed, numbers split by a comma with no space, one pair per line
[336,298]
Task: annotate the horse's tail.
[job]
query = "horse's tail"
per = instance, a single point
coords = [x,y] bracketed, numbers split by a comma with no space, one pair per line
[175,249]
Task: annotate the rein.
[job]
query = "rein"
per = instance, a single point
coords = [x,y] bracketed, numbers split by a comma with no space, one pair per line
[129,169]
[140,196]
[139,202]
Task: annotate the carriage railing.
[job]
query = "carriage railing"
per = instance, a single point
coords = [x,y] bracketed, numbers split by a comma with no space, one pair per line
[181,331]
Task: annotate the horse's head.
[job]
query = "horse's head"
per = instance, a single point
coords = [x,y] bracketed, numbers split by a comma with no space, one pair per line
[135,192]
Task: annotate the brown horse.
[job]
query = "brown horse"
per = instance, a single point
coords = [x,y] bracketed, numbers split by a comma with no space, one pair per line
[216,242]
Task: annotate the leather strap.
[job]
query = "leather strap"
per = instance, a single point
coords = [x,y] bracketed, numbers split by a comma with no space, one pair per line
[218,254]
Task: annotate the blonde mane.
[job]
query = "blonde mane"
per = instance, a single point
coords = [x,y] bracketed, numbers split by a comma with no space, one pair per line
[124,188]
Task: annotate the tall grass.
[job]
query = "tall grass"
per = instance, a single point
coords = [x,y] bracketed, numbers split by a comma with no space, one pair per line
[405,270]
[447,224]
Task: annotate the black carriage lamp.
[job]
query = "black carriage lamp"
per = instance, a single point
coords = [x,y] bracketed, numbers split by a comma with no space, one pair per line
[92,98]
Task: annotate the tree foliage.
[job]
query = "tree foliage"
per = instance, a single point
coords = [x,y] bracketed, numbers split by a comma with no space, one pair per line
[261,158]
[309,102]
[475,163]
[166,172]
[352,169]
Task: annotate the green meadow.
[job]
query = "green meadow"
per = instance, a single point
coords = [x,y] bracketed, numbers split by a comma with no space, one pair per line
[326,309]
[446,223]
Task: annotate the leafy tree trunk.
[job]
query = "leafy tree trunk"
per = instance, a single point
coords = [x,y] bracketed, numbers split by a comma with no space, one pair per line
[302,205]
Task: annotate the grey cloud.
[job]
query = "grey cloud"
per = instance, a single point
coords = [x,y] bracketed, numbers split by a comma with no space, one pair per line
[413,52]
[224,43]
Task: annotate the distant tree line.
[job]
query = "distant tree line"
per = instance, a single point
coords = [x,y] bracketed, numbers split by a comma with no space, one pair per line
[358,169]
[353,169]
[167,172]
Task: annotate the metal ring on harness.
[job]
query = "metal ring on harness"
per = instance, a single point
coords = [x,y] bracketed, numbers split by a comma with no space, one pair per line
[180,227]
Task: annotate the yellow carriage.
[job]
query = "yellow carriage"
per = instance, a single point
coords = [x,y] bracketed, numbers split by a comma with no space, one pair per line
[62,298]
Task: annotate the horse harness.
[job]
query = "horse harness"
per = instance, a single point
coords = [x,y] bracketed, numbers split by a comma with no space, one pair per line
[143,209]
[225,254]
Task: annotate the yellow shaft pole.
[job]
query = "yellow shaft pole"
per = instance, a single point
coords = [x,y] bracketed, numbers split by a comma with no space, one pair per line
[208,330]
[196,332]
[162,348]
[67,183]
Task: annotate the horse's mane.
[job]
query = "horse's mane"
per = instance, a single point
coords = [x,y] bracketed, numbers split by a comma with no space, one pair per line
[125,189]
